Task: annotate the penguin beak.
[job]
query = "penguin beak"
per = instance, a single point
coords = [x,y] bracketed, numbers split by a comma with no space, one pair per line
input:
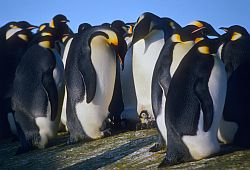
[206,31]
[31,27]
[224,29]
[65,21]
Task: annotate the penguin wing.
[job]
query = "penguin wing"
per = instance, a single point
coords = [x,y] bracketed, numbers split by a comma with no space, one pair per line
[206,102]
[50,87]
[88,73]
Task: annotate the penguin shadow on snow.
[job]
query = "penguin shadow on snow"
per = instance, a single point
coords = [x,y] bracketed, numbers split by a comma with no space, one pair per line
[114,155]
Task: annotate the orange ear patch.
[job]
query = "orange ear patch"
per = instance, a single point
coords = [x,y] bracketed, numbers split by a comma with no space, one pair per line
[204,50]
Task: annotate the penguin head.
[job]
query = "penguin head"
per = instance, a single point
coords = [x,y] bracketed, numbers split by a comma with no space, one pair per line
[19,33]
[46,41]
[208,46]
[26,25]
[234,33]
[120,27]
[43,26]
[207,29]
[170,25]
[58,20]
[195,31]
[84,26]
[144,25]
[130,29]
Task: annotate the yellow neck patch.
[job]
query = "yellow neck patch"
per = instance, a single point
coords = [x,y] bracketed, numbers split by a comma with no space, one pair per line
[45,44]
[130,31]
[197,24]
[52,24]
[112,38]
[176,38]
[235,36]
[46,34]
[64,38]
[198,39]
[42,27]
[204,50]
[23,37]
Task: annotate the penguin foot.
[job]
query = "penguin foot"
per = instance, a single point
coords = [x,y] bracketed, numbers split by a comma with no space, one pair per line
[107,132]
[170,160]
[157,147]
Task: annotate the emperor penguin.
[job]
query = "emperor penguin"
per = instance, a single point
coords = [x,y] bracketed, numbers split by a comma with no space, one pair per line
[194,104]
[16,43]
[173,51]
[149,35]
[67,39]
[235,53]
[38,95]
[129,116]
[90,73]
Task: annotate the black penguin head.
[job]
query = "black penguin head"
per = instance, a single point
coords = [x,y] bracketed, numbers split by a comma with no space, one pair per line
[209,46]
[26,25]
[19,33]
[234,33]
[84,26]
[120,27]
[46,41]
[130,28]
[170,25]
[42,27]
[144,25]
[207,29]
[58,20]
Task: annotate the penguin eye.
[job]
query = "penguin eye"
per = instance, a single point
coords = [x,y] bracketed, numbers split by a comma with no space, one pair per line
[235,36]
[204,50]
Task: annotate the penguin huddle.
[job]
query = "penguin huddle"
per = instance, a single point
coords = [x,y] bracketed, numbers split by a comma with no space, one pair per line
[109,77]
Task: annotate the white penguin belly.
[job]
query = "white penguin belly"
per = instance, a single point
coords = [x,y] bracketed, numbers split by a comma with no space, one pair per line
[47,128]
[65,55]
[93,114]
[160,120]
[205,143]
[128,89]
[143,67]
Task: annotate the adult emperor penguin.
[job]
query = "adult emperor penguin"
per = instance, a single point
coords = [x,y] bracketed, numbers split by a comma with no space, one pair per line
[15,45]
[149,35]
[171,54]
[67,39]
[90,78]
[235,53]
[37,103]
[194,104]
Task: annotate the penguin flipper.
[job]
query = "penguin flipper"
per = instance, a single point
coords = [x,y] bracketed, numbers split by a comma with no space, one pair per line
[206,102]
[88,77]
[50,87]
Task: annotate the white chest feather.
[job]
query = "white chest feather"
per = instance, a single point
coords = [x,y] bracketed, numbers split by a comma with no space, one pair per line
[66,51]
[160,120]
[179,51]
[93,114]
[145,55]
[205,143]
[65,56]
